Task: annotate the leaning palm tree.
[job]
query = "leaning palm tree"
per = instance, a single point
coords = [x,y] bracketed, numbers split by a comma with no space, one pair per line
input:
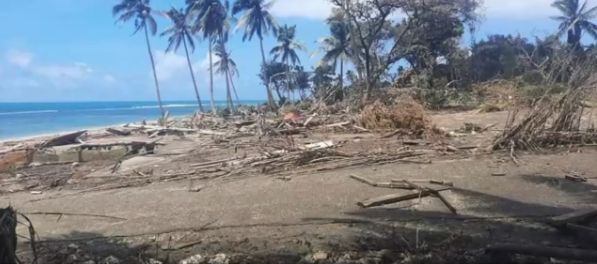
[141,12]
[286,50]
[337,46]
[256,19]
[225,66]
[575,19]
[179,32]
[210,19]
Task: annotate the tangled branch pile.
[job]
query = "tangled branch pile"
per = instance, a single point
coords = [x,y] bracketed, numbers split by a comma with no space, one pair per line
[405,114]
[549,124]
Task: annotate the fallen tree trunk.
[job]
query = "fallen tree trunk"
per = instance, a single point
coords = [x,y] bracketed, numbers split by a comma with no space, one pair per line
[542,251]
[8,236]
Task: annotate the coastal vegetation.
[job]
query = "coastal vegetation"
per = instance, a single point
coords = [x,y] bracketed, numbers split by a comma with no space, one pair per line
[373,46]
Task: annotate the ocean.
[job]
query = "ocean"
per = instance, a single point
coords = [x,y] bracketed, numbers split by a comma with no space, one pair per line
[21,120]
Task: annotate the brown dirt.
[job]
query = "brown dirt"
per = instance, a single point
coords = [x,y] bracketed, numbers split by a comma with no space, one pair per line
[286,213]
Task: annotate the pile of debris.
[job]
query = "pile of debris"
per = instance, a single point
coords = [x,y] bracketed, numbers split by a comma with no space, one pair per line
[551,124]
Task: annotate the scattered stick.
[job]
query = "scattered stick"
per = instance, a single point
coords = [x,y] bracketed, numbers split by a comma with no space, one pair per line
[395,198]
[391,185]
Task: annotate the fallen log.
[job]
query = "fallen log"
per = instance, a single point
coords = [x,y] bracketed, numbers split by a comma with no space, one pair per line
[119,132]
[543,251]
[391,185]
[8,236]
[395,198]
[66,139]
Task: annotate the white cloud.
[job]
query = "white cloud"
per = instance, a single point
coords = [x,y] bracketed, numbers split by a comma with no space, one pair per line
[514,9]
[522,9]
[171,66]
[56,72]
[168,65]
[19,58]
[315,9]
[109,78]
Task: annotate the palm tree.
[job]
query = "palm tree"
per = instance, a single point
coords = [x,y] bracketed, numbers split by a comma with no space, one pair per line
[227,67]
[210,19]
[286,49]
[256,19]
[337,46]
[141,12]
[575,19]
[179,32]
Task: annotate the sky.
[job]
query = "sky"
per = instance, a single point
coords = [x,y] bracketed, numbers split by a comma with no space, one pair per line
[72,50]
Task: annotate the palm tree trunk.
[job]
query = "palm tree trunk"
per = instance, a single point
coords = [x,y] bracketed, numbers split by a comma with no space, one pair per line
[342,78]
[211,80]
[184,41]
[270,96]
[229,94]
[234,89]
[155,76]
[289,88]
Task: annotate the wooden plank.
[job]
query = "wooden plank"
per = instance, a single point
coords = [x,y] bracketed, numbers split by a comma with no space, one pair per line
[542,251]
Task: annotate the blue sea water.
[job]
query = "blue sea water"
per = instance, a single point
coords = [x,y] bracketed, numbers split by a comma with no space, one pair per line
[18,120]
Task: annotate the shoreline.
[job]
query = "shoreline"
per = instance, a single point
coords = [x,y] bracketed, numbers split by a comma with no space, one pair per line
[94,129]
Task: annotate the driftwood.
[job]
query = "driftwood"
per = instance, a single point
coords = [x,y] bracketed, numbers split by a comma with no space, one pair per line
[391,185]
[542,251]
[395,198]
[8,236]
[62,140]
[119,132]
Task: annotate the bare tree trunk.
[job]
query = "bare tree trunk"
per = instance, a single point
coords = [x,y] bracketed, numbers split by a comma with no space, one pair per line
[184,41]
[342,78]
[211,79]
[155,76]
[270,96]
[229,94]
[234,89]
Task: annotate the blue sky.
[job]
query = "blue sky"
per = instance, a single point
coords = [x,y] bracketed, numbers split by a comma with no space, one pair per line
[71,50]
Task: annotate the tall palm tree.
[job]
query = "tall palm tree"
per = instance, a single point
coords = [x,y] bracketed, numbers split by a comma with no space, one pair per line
[179,32]
[256,19]
[337,46]
[286,50]
[210,19]
[575,19]
[227,67]
[141,12]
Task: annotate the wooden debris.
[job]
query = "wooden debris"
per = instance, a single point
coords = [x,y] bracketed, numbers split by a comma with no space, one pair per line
[66,139]
[543,251]
[395,198]
[498,174]
[319,145]
[119,132]
[436,182]
[391,185]
[576,178]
